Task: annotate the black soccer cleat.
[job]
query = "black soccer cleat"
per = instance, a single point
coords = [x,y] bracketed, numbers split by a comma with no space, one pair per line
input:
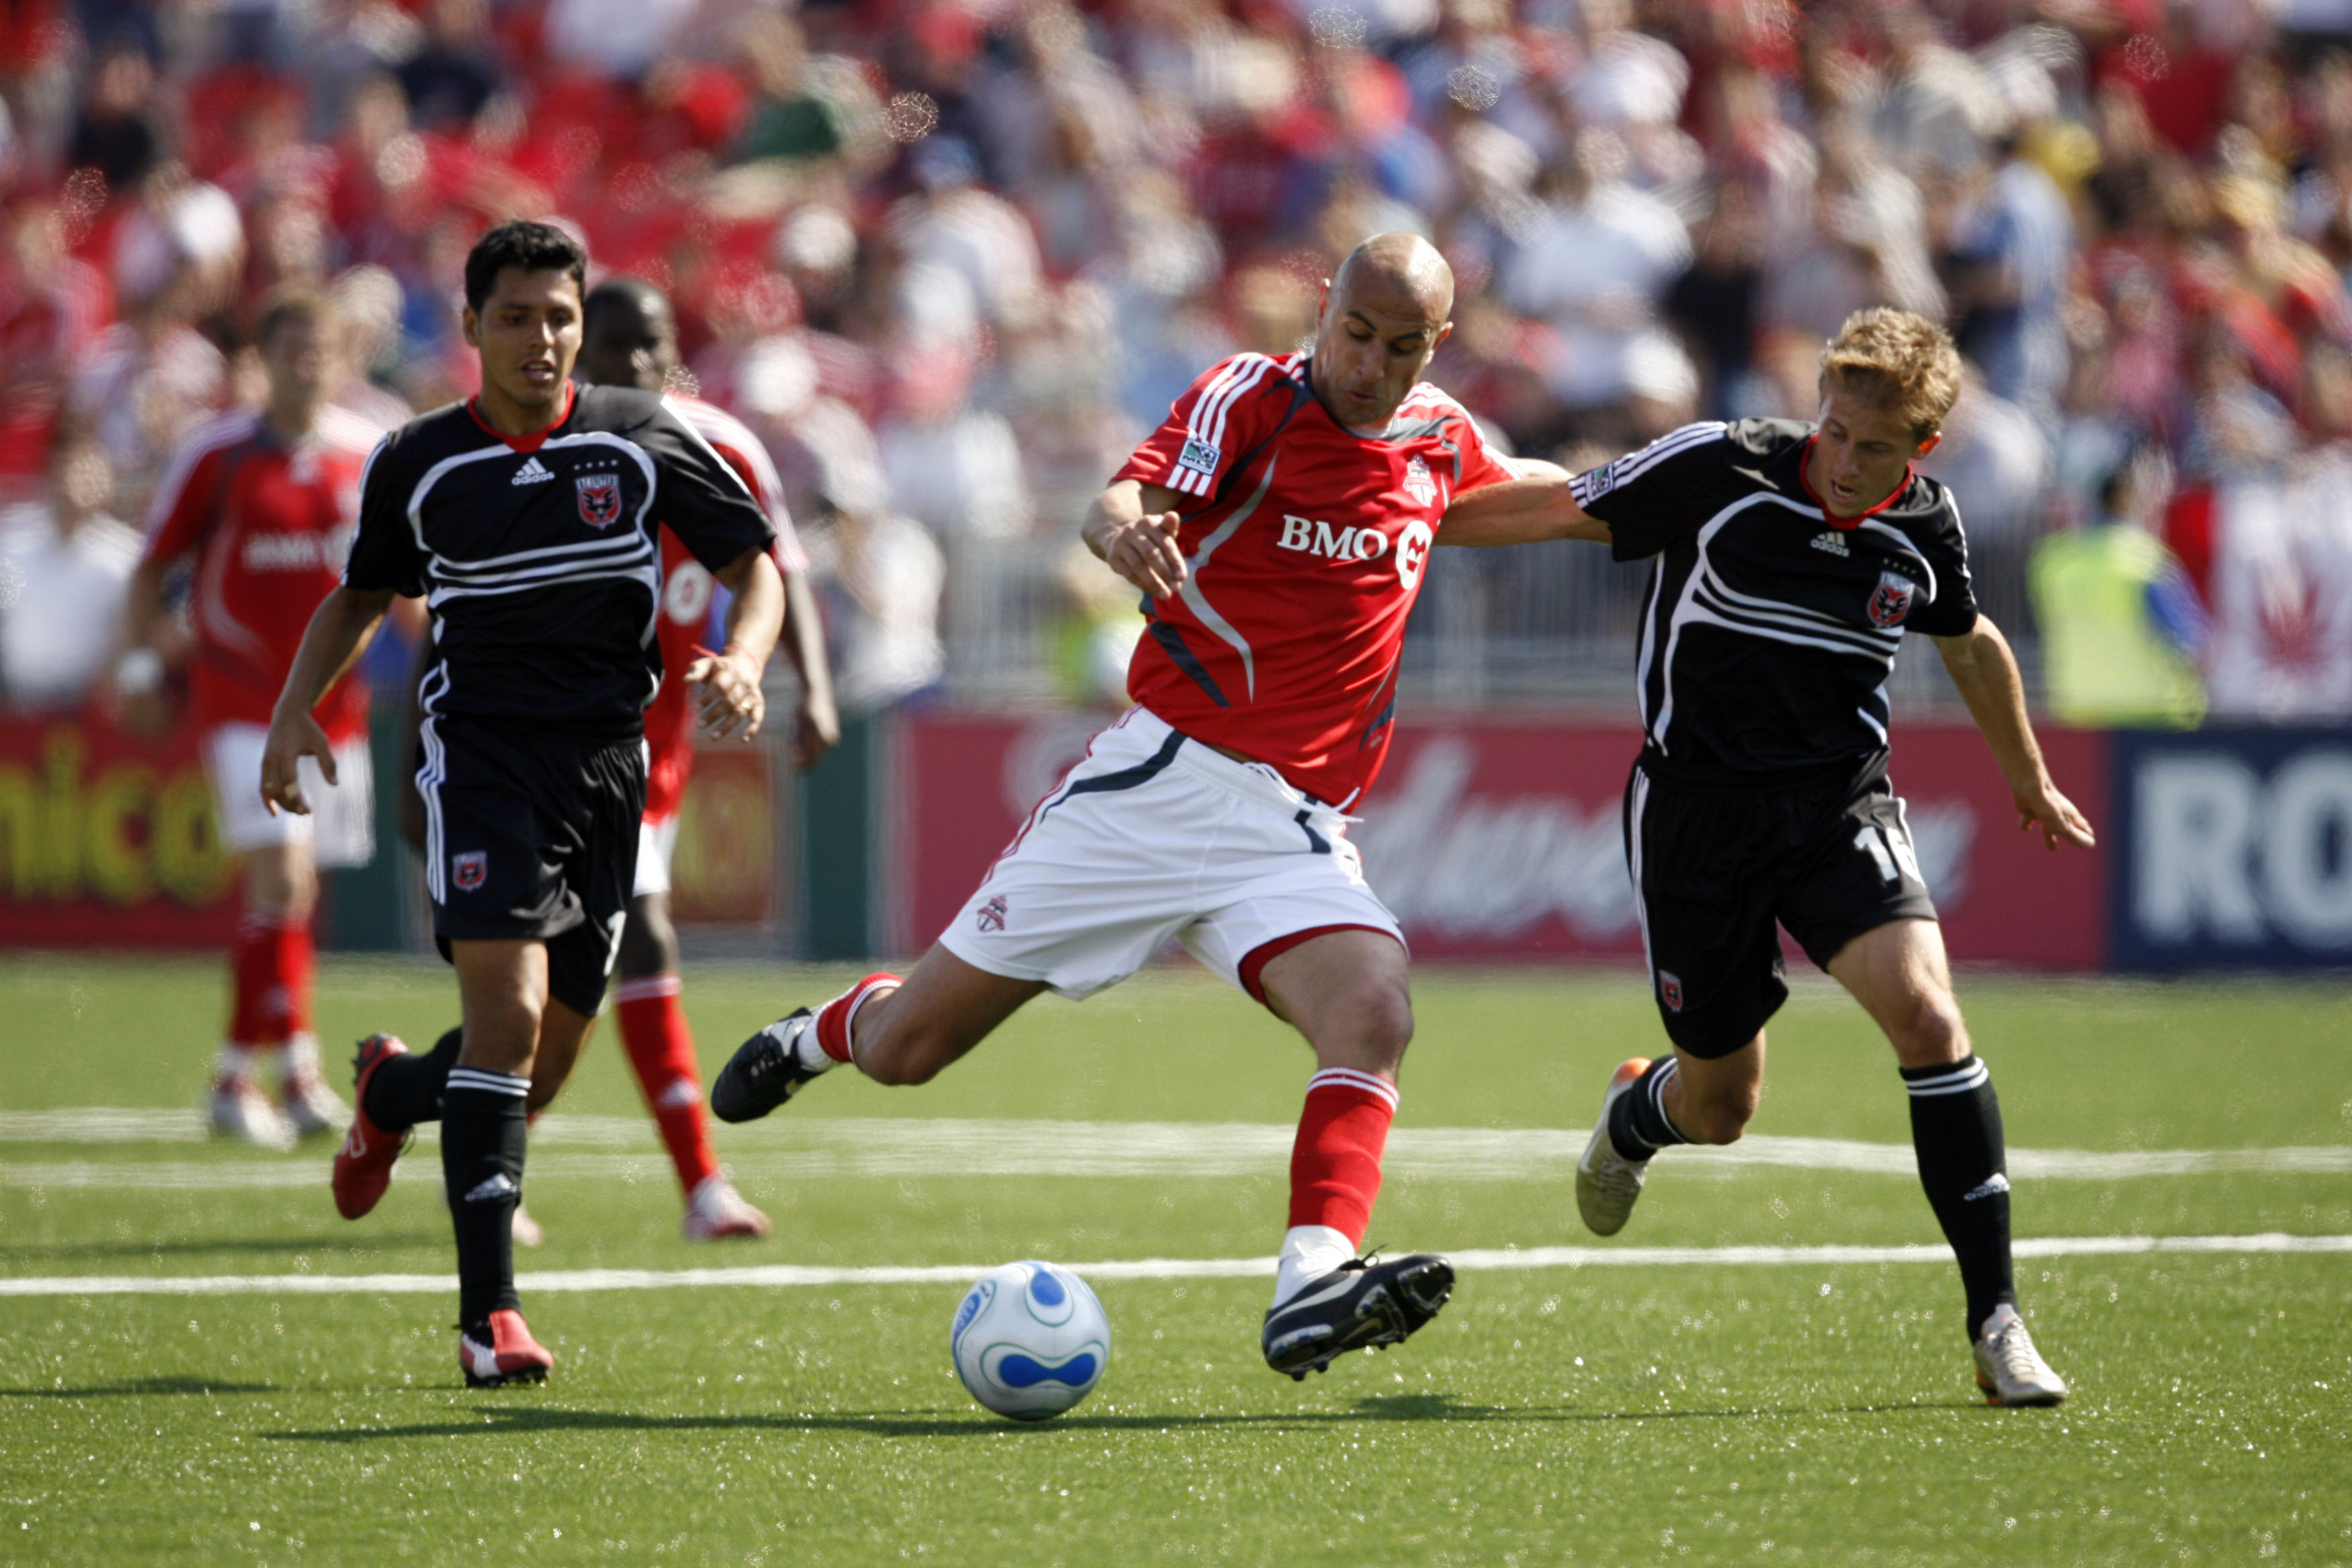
[1356,1306]
[763,1072]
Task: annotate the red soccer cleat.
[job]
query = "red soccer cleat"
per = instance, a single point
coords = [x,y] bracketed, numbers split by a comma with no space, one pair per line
[511,1356]
[364,1164]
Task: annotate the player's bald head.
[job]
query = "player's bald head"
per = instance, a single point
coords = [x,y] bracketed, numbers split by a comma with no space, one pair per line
[1381,319]
[631,299]
[1399,276]
[628,334]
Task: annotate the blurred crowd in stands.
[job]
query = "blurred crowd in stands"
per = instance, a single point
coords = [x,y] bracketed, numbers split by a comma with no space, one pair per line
[951,258]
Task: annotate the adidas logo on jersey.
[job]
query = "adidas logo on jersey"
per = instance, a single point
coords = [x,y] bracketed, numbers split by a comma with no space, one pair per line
[1833,542]
[532,472]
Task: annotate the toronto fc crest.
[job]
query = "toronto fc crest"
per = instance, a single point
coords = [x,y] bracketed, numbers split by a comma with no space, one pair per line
[1419,483]
[1891,601]
[990,916]
[600,499]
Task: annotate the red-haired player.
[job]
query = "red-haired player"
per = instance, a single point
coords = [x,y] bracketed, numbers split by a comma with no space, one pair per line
[264,503]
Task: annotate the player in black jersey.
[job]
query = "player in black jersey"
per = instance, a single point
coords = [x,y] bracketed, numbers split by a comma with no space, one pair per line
[526,518]
[1791,559]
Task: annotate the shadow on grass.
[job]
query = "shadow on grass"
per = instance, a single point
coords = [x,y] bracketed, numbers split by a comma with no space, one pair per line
[1398,1407]
[337,1245]
[211,1386]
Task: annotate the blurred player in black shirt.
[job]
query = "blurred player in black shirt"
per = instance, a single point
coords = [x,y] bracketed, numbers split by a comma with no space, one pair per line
[527,520]
[1791,560]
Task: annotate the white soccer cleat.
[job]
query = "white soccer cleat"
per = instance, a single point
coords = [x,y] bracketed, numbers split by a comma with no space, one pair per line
[237,1109]
[717,1211]
[526,1231]
[2009,1368]
[1606,1182]
[312,1108]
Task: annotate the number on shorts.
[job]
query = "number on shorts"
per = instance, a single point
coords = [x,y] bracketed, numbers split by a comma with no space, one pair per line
[1867,839]
[1891,850]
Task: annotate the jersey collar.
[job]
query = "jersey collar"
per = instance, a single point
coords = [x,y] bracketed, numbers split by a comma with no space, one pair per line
[1846,524]
[537,438]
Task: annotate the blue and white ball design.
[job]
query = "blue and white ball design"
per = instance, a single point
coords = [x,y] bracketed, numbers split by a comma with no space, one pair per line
[1030,1340]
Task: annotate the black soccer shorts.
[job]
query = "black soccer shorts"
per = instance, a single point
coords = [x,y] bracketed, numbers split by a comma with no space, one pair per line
[1716,871]
[533,837]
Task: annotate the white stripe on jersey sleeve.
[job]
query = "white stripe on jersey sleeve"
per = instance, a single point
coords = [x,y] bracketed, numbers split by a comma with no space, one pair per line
[695,430]
[225,430]
[729,436]
[1207,423]
[1625,469]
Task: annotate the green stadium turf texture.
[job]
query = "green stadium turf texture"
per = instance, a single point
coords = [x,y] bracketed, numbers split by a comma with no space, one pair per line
[1691,1414]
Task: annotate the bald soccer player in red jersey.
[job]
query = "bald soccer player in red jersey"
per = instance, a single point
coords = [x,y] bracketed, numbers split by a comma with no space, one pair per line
[262,503]
[630,338]
[1280,524]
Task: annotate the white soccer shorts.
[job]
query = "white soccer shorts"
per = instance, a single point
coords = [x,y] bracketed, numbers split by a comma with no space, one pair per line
[1153,837]
[657,842]
[341,828]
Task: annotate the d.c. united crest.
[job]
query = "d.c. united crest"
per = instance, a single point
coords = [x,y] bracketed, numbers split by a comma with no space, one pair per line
[1670,990]
[470,870]
[600,499]
[1891,600]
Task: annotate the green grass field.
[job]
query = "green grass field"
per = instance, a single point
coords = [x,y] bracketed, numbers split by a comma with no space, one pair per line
[1700,1410]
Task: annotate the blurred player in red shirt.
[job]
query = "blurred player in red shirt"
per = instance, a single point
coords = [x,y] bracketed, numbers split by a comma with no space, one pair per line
[630,338]
[1280,524]
[262,505]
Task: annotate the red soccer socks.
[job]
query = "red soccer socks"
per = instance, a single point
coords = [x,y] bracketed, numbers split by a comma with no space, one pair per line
[654,1032]
[1335,1172]
[837,1017]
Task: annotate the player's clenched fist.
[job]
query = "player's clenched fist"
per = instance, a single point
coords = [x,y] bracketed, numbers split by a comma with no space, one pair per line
[730,698]
[1145,552]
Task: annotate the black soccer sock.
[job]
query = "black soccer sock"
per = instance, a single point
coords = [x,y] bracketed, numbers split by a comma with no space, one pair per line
[483,1135]
[406,1090]
[1638,1123]
[1956,1131]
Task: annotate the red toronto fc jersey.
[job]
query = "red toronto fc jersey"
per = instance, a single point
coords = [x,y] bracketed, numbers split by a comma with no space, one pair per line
[1308,544]
[686,587]
[269,523]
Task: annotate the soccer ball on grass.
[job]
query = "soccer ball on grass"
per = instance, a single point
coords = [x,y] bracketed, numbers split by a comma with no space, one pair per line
[1030,1339]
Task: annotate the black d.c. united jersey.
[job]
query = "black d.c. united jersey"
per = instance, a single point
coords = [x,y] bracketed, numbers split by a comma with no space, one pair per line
[537,554]
[1771,627]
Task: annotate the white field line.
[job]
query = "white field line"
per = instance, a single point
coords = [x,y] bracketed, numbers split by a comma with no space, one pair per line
[783,1276]
[812,1148]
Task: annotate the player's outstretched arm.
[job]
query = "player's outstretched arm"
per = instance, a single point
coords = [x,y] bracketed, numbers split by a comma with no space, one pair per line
[1982,667]
[1132,527]
[1529,510]
[732,703]
[340,629]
